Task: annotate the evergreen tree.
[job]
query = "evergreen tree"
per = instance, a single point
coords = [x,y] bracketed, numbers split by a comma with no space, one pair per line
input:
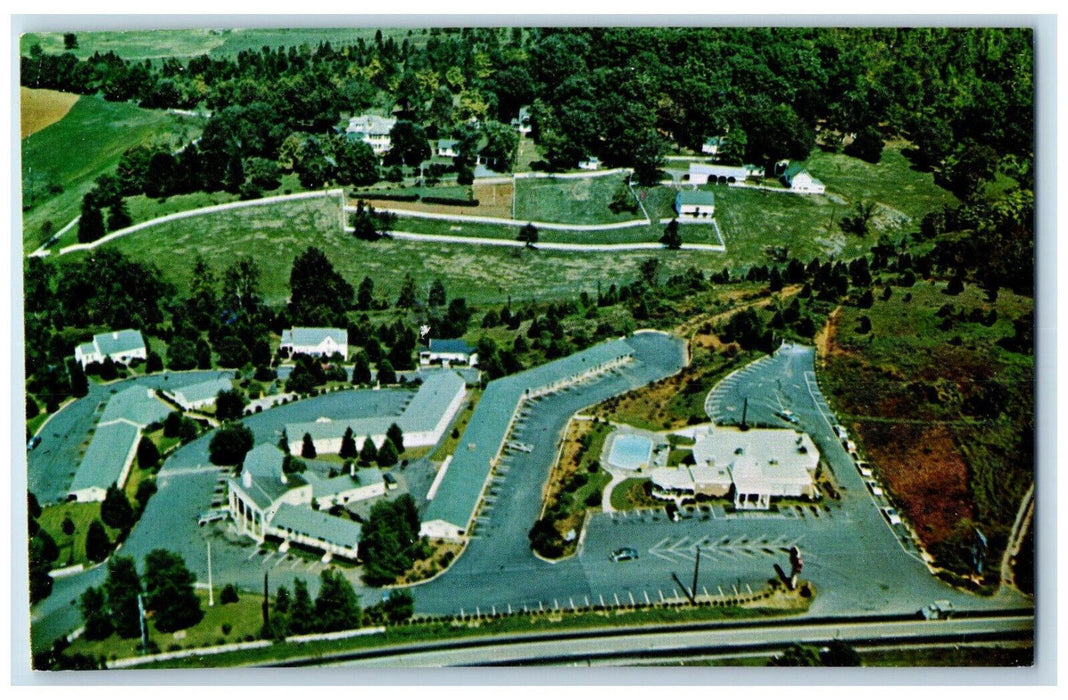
[301,611]
[116,511]
[672,238]
[97,544]
[119,216]
[386,373]
[395,435]
[348,445]
[169,591]
[91,222]
[529,235]
[95,614]
[147,454]
[437,294]
[307,448]
[365,294]
[368,452]
[387,455]
[122,587]
[336,607]
[361,369]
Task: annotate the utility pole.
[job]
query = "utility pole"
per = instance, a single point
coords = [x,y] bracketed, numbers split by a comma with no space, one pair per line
[696,568]
[211,592]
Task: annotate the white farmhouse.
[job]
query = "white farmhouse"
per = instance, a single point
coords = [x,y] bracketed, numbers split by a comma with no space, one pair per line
[372,130]
[318,342]
[121,346]
[591,163]
[695,203]
[800,180]
[447,148]
[522,122]
[712,145]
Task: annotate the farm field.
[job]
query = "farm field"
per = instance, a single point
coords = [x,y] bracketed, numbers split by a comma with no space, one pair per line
[186,43]
[570,201]
[41,108]
[276,234]
[71,153]
[942,410]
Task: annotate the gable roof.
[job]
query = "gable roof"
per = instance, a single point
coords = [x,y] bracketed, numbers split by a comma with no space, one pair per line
[371,124]
[450,345]
[264,462]
[448,143]
[136,404]
[103,462]
[204,390]
[696,197]
[316,524]
[793,169]
[314,336]
[118,342]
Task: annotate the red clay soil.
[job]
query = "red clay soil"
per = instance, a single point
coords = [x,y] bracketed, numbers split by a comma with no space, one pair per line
[923,468]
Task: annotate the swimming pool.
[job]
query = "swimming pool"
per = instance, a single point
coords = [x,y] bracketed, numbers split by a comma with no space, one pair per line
[630,451]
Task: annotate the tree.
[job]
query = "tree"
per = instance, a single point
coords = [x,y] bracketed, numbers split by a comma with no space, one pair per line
[672,239]
[118,216]
[70,41]
[122,587]
[229,594]
[67,526]
[390,541]
[357,163]
[97,544]
[368,451]
[348,445]
[79,383]
[838,653]
[336,607]
[399,606]
[229,404]
[91,222]
[95,614]
[301,611]
[361,368]
[319,296]
[409,144]
[39,567]
[436,297]
[365,294]
[387,455]
[116,511]
[797,655]
[406,297]
[229,444]
[529,235]
[169,591]
[386,373]
[307,447]
[868,145]
[154,363]
[395,435]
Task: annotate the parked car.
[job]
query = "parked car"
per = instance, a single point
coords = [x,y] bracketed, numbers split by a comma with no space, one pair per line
[787,415]
[211,516]
[624,554]
[34,442]
[891,516]
[938,610]
[390,480]
[875,488]
[672,512]
[864,468]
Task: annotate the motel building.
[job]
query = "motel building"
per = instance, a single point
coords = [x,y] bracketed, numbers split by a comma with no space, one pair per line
[755,465]
[266,502]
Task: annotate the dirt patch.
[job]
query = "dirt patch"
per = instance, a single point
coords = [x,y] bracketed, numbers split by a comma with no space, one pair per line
[494,199]
[42,108]
[825,337]
[924,469]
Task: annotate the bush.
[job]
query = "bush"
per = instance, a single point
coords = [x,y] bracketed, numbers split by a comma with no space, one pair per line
[387,196]
[451,202]
[229,595]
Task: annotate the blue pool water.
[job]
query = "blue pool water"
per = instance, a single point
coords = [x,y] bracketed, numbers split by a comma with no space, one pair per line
[630,451]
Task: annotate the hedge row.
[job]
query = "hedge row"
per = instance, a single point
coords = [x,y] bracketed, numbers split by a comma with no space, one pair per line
[448,201]
[386,196]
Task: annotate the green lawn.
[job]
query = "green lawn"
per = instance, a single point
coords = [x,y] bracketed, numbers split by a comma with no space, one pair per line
[630,494]
[528,153]
[71,547]
[74,151]
[569,201]
[275,234]
[243,617]
[186,43]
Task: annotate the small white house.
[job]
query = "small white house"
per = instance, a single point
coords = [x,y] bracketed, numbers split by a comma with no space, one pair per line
[800,180]
[695,203]
[372,130]
[121,346]
[447,148]
[318,342]
[448,352]
[522,122]
[591,163]
[712,145]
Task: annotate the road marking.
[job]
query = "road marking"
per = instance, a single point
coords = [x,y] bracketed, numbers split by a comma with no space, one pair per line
[572,601]
[616,596]
[631,597]
[254,553]
[601,598]
[587,600]
[661,595]
[646,594]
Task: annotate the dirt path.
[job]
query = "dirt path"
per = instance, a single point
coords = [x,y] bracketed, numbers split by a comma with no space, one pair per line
[825,338]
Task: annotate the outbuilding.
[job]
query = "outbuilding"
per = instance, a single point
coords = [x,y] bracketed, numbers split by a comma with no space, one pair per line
[695,203]
[800,180]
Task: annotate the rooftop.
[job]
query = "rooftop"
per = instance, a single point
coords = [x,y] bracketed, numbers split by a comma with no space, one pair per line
[371,124]
[104,460]
[201,391]
[696,197]
[136,404]
[758,453]
[117,342]
[450,345]
[321,526]
[314,336]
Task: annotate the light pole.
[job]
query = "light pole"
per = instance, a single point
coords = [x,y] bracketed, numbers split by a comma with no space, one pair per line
[211,592]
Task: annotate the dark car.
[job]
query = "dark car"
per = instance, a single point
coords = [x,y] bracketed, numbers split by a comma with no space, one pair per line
[34,442]
[624,554]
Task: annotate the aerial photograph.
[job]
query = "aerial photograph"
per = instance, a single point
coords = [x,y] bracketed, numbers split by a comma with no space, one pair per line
[427,345]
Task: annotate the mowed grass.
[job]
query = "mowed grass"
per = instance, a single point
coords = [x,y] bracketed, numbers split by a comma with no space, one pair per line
[275,234]
[71,153]
[72,547]
[156,44]
[570,201]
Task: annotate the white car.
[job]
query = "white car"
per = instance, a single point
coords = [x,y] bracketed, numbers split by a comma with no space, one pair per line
[864,468]
[875,488]
[891,515]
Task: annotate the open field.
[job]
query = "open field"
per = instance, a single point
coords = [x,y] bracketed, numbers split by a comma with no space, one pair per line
[940,409]
[41,108]
[72,546]
[570,201]
[273,235]
[186,43]
[70,154]
[635,234]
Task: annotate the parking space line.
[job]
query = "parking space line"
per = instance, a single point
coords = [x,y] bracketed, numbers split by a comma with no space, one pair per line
[646,594]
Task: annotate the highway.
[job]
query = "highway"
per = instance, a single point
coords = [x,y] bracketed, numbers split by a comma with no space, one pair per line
[675,643]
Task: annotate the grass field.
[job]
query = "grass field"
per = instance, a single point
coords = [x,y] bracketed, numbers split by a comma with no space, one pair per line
[71,153]
[275,234]
[186,43]
[72,547]
[570,201]
[41,108]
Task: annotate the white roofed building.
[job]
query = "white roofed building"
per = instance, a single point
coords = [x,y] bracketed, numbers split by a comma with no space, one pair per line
[372,130]
[121,346]
[319,342]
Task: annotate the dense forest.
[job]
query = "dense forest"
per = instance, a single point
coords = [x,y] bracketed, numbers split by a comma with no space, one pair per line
[626,95]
